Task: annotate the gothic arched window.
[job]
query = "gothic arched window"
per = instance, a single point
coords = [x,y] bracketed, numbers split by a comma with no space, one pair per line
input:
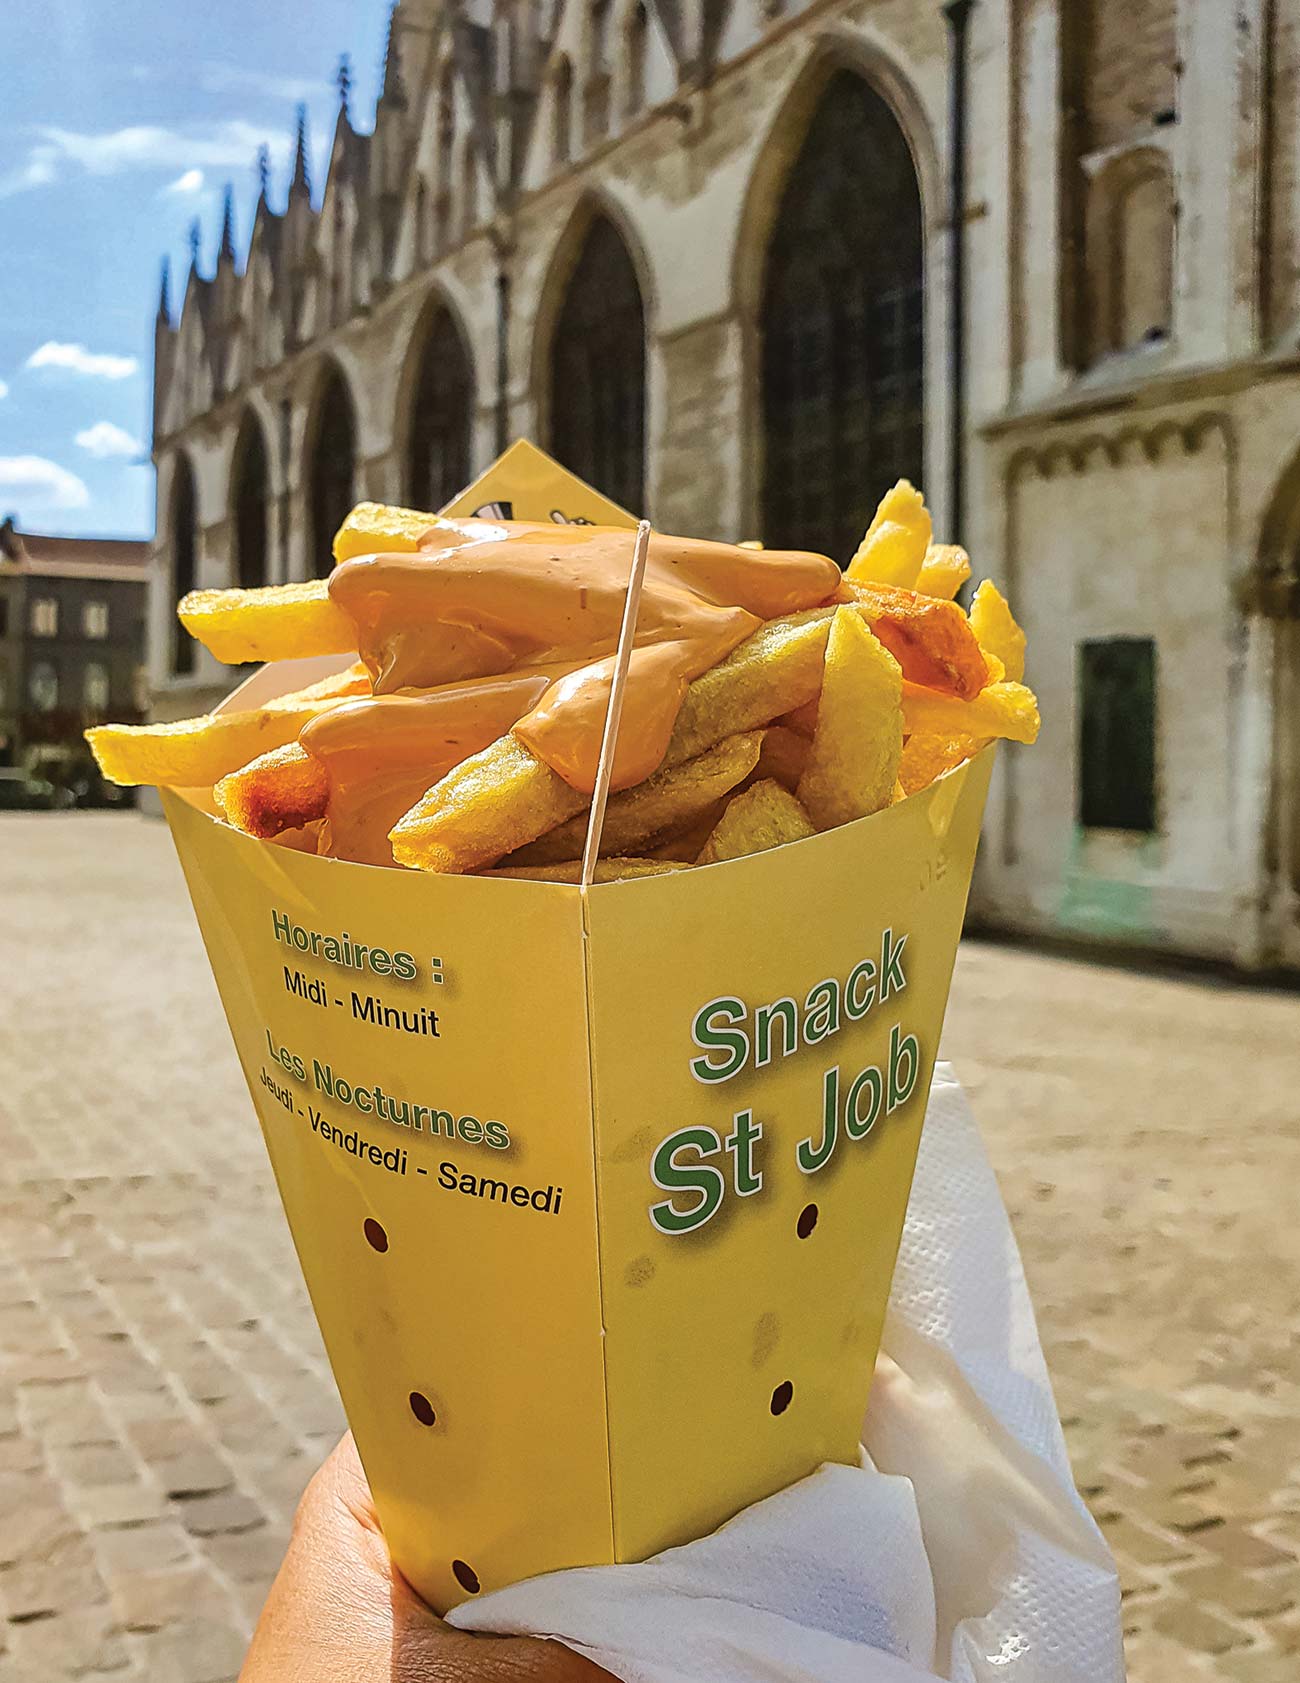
[562,112]
[251,504]
[441,415]
[842,367]
[184,546]
[332,472]
[597,372]
[638,31]
[1131,231]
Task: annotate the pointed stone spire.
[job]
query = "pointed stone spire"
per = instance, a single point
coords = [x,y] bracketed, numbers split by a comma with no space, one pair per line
[394,89]
[226,253]
[196,241]
[344,79]
[263,173]
[301,182]
[164,292]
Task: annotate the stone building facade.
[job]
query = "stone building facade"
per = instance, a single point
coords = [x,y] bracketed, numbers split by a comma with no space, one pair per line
[705,251]
[72,645]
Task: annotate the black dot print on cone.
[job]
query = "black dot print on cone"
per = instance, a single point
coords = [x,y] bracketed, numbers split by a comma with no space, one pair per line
[782,1397]
[807,1220]
[422,1408]
[376,1238]
[466,1577]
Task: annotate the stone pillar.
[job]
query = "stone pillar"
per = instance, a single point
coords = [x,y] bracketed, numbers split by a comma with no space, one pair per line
[1220,173]
[1036,162]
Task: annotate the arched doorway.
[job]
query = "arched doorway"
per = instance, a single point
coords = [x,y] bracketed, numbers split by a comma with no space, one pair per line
[332,475]
[841,326]
[250,500]
[184,545]
[597,370]
[441,414]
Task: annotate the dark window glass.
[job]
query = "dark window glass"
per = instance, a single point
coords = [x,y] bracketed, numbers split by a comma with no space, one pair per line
[1117,734]
[333,471]
[252,505]
[597,405]
[842,365]
[185,540]
[441,416]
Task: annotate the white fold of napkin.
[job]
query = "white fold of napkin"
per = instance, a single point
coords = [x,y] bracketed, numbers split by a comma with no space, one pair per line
[958,1549]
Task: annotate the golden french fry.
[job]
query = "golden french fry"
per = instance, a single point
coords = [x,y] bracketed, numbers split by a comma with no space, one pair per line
[282,790]
[802,720]
[893,550]
[683,846]
[853,762]
[772,672]
[492,803]
[926,756]
[277,622]
[672,798]
[381,529]
[992,622]
[607,870]
[931,640]
[943,572]
[783,757]
[504,797]
[1003,710]
[305,839]
[190,753]
[764,816]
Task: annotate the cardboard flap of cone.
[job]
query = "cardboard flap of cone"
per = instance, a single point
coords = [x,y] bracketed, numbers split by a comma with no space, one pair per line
[597,1193]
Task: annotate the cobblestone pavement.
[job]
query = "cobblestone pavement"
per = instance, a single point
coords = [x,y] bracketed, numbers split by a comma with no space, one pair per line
[165,1395]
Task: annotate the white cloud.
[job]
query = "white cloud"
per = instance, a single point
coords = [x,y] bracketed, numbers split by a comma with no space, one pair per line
[228,78]
[229,145]
[4,390]
[102,365]
[105,439]
[184,185]
[35,480]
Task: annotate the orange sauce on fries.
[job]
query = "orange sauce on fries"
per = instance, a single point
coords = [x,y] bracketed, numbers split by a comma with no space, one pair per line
[543,602]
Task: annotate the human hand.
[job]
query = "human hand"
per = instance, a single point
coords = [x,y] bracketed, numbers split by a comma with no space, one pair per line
[340,1610]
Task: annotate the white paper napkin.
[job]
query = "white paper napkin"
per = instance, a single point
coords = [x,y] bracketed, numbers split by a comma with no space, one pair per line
[958,1549]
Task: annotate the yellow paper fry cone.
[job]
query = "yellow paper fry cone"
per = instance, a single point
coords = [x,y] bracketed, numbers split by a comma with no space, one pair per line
[597,1196]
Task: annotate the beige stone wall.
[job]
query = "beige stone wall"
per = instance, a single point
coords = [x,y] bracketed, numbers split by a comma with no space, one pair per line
[1128,50]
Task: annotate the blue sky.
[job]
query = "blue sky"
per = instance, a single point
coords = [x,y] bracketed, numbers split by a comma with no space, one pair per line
[123,121]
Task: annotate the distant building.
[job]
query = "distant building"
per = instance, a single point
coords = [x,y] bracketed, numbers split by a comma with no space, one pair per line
[72,633]
[703,250]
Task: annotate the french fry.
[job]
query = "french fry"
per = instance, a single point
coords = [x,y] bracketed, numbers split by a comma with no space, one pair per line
[493,803]
[853,761]
[190,753]
[926,756]
[305,839]
[992,622]
[276,622]
[501,799]
[802,720]
[932,640]
[783,757]
[672,798]
[764,816]
[683,846]
[282,790]
[893,550]
[777,669]
[943,572]
[381,529]
[1002,710]
[607,870]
